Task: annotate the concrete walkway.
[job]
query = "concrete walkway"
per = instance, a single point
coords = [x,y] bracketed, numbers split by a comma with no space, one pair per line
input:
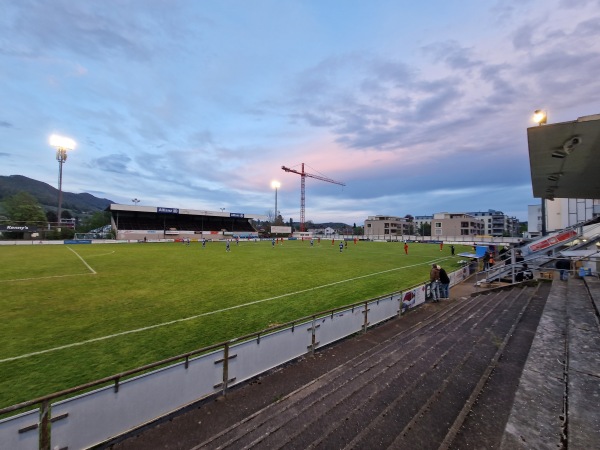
[557,404]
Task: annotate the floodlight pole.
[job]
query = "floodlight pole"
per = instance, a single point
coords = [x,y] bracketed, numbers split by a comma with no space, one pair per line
[62,144]
[275,185]
[61,157]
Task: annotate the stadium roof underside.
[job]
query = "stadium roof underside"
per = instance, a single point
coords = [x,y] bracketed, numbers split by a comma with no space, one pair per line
[159,218]
[564,159]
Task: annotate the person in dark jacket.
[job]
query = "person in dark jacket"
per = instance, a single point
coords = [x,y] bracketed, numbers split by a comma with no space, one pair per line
[486,260]
[444,283]
[563,265]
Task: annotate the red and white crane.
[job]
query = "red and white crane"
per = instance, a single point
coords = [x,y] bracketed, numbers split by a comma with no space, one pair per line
[303,176]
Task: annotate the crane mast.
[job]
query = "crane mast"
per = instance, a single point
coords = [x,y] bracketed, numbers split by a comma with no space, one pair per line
[303,176]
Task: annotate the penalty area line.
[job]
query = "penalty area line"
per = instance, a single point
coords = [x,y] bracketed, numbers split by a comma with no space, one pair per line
[209,313]
[83,261]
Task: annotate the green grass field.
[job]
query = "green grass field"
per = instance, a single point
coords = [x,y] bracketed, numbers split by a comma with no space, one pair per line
[71,314]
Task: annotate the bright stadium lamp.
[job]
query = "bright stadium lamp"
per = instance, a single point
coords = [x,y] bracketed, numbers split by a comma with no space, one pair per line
[62,145]
[540,117]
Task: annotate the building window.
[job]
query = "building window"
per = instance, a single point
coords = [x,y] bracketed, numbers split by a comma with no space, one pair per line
[438,232]
[438,224]
[368,225]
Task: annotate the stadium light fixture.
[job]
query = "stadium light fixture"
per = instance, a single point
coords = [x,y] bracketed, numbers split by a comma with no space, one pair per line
[135,201]
[540,117]
[275,185]
[62,145]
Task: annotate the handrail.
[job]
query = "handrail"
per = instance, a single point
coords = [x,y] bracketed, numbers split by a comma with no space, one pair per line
[116,378]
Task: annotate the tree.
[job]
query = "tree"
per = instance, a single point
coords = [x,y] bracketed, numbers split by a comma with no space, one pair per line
[25,209]
[51,216]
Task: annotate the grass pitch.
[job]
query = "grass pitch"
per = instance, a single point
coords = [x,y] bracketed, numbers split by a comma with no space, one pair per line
[71,314]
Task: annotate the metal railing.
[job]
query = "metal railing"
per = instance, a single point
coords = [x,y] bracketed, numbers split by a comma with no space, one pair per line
[99,411]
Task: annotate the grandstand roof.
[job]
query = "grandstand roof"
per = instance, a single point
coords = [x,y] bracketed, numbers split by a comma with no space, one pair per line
[192,212]
[564,159]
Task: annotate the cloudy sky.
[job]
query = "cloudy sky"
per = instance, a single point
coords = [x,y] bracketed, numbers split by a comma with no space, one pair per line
[418,107]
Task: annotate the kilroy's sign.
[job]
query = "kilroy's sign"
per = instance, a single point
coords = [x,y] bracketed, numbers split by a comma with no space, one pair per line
[21,228]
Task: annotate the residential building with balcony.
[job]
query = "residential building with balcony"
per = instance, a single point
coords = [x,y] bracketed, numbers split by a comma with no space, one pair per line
[456,224]
[497,223]
[387,226]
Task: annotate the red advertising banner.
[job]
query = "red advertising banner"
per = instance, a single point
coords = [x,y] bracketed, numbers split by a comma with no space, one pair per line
[553,240]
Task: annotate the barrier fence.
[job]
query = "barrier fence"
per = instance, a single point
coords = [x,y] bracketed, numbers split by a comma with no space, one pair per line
[102,410]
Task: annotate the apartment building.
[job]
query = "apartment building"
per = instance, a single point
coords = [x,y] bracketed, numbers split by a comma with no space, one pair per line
[496,223]
[456,224]
[387,225]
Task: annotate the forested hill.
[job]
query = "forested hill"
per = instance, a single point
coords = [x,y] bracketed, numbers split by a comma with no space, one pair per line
[48,195]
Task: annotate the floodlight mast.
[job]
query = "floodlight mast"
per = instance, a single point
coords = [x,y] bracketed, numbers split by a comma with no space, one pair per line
[62,145]
[303,175]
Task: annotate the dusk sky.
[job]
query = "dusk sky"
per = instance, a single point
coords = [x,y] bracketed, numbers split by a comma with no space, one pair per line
[418,107]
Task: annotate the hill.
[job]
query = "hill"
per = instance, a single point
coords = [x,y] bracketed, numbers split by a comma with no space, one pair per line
[48,195]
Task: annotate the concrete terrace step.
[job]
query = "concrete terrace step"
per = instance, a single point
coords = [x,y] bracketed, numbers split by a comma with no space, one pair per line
[407,392]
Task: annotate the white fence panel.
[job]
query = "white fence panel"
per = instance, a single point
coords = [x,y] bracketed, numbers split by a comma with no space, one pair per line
[339,325]
[383,309]
[102,414]
[257,356]
[420,294]
[11,439]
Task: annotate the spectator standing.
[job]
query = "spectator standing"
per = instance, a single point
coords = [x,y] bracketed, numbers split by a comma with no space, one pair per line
[444,283]
[563,265]
[486,260]
[434,278]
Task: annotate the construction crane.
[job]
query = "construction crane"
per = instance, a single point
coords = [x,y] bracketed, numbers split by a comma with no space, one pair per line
[303,176]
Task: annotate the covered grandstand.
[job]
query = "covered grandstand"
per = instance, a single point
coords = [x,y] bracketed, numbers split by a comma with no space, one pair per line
[151,223]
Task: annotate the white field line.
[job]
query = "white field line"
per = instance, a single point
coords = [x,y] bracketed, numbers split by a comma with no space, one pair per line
[93,272]
[44,278]
[83,261]
[185,319]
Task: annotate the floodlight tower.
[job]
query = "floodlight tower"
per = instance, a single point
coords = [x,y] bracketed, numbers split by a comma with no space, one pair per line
[303,175]
[62,145]
[275,185]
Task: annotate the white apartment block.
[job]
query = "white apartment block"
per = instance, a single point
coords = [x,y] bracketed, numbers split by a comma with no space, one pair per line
[561,213]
